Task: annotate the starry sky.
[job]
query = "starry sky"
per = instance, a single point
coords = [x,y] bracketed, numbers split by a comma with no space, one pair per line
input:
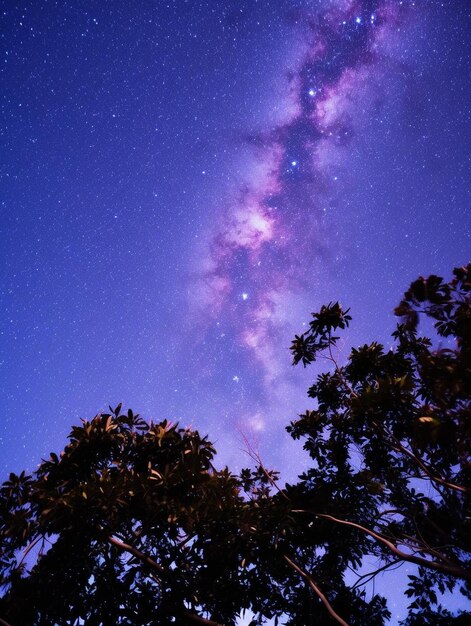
[184,181]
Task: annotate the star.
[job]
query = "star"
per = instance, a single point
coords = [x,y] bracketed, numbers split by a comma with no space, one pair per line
[245,296]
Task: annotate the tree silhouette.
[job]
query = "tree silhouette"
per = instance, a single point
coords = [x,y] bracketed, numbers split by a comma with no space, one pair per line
[389,441]
[133,524]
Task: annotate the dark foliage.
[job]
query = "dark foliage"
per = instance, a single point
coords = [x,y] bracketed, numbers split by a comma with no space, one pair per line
[390,441]
[132,523]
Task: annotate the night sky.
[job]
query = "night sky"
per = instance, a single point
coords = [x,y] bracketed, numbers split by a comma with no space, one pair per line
[183,182]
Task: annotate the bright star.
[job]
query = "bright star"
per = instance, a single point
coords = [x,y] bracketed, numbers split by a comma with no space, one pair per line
[312,92]
[245,296]
[235,379]
[294,163]
[358,20]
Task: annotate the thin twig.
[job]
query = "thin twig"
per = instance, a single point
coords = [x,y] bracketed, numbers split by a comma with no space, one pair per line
[340,374]
[255,456]
[317,591]
[361,579]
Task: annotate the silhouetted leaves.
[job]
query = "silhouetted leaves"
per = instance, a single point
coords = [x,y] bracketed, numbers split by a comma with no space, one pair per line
[133,524]
[390,441]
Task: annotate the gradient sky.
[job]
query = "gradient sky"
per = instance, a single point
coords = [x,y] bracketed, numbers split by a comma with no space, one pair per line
[183,182]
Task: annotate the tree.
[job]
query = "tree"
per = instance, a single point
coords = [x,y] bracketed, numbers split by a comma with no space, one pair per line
[390,442]
[132,523]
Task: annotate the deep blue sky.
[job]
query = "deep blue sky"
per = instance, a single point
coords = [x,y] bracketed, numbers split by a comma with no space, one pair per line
[182,182]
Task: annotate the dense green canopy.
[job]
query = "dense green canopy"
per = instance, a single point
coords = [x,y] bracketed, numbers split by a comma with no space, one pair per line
[133,524]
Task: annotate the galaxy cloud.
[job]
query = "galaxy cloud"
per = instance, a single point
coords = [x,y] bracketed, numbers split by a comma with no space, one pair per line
[271,237]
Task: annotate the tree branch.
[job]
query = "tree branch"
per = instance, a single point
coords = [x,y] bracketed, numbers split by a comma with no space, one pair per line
[317,591]
[28,550]
[444,568]
[361,578]
[144,558]
[147,560]
[420,543]
[421,464]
